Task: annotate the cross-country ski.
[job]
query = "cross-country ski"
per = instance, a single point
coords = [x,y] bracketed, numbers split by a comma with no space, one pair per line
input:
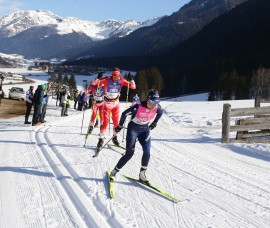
[150,185]
[111,185]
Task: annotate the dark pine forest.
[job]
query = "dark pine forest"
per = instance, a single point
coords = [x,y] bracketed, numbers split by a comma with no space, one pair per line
[229,57]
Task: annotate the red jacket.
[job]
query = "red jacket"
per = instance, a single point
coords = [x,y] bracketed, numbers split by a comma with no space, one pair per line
[112,88]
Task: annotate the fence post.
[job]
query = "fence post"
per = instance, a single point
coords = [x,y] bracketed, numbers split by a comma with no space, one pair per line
[257,101]
[226,116]
[257,104]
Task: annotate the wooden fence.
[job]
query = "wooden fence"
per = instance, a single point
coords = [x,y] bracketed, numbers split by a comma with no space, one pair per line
[249,128]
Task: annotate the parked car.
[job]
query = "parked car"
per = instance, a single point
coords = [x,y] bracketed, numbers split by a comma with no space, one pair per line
[16,93]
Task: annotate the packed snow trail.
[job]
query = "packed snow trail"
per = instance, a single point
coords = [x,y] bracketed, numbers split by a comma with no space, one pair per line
[51,179]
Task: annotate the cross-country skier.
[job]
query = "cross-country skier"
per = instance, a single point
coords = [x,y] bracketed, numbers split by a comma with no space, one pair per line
[141,115]
[112,89]
[98,95]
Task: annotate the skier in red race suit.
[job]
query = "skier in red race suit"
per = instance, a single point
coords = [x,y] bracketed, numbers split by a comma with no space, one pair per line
[112,88]
[98,94]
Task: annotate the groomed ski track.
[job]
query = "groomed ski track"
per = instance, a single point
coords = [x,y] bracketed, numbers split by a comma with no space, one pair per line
[218,185]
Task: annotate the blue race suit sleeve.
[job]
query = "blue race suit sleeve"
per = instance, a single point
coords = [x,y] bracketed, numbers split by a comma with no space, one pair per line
[159,114]
[130,111]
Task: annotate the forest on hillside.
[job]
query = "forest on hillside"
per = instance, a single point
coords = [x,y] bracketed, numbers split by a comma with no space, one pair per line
[237,41]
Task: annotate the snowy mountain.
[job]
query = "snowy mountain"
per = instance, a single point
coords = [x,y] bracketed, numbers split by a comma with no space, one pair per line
[15,23]
[38,26]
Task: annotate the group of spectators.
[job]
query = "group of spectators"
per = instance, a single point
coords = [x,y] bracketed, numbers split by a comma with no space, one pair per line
[63,97]
[83,100]
[38,99]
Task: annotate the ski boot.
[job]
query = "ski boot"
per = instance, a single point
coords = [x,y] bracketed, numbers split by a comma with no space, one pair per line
[142,176]
[115,141]
[99,146]
[90,129]
[100,143]
[113,174]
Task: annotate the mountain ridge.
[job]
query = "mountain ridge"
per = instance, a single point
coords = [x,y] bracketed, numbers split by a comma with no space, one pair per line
[166,33]
[14,26]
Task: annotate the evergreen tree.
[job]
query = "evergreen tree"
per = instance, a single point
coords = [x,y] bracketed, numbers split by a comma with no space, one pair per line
[53,80]
[66,80]
[154,79]
[142,86]
[59,80]
[72,84]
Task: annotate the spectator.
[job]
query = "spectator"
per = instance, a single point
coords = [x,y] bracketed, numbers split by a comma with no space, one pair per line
[63,102]
[29,103]
[37,99]
[75,98]
[68,105]
[45,102]
[80,102]
[58,97]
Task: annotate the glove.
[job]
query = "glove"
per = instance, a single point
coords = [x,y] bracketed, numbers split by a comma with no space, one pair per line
[99,75]
[118,128]
[152,126]
[130,78]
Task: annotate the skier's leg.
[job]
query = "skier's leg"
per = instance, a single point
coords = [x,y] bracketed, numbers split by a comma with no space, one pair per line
[115,118]
[94,114]
[115,115]
[106,120]
[101,113]
[145,141]
[130,147]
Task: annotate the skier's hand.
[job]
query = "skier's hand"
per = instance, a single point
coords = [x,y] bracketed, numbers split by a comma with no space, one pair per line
[130,78]
[118,128]
[152,126]
[99,75]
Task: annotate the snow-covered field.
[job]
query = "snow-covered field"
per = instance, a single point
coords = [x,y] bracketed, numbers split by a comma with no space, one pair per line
[49,179]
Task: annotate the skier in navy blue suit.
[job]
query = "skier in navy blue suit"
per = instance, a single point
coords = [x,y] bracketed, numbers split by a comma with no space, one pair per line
[141,115]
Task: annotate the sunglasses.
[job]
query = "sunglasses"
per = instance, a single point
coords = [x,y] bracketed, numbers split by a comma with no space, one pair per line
[153,102]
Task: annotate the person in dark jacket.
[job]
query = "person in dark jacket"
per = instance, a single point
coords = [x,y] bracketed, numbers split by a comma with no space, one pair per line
[58,98]
[37,100]
[76,93]
[80,102]
[29,103]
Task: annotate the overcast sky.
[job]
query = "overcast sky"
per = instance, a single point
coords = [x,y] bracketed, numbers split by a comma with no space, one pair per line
[97,10]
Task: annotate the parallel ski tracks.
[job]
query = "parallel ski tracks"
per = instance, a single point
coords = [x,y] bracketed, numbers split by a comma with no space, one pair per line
[218,168]
[205,162]
[75,189]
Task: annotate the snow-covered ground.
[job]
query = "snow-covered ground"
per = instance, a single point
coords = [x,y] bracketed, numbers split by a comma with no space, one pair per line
[49,179]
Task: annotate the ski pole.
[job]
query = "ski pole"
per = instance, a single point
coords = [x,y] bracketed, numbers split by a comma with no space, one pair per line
[127,95]
[82,119]
[126,108]
[108,141]
[110,124]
